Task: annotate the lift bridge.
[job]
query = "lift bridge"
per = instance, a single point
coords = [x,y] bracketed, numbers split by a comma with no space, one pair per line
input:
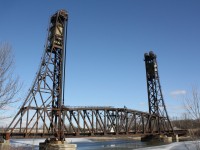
[44,115]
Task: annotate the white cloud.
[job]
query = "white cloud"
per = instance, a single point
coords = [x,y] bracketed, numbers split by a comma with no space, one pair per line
[178,92]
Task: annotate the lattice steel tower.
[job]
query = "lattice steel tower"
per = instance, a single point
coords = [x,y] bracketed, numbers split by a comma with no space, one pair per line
[42,110]
[155,98]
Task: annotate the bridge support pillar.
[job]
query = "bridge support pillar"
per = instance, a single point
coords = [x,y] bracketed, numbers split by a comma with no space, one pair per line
[53,144]
[4,144]
[167,139]
[175,138]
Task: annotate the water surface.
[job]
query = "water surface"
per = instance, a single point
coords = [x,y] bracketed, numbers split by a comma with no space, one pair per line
[114,144]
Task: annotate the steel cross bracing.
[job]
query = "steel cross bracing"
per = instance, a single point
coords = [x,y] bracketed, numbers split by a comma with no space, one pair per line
[86,121]
[43,113]
[42,107]
[155,98]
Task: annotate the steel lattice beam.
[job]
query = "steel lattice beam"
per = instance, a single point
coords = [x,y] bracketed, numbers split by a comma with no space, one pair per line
[99,121]
[155,97]
[42,107]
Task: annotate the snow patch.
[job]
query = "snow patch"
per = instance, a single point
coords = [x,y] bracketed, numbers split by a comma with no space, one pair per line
[174,146]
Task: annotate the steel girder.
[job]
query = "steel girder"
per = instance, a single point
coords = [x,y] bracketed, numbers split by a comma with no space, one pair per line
[95,121]
[111,121]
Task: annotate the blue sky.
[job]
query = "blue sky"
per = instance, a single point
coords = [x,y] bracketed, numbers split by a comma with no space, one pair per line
[106,43]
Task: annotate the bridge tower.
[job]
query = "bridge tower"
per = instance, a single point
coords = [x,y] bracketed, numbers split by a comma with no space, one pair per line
[41,112]
[157,106]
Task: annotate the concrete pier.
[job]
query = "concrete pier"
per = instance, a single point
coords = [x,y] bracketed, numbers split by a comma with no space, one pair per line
[167,139]
[56,145]
[175,138]
[4,144]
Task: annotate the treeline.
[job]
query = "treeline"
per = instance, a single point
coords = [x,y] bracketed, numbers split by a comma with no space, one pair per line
[186,124]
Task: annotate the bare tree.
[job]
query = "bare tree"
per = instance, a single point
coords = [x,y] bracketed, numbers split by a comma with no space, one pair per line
[9,84]
[192,106]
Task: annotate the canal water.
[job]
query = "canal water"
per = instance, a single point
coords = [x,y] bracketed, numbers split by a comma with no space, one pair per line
[115,144]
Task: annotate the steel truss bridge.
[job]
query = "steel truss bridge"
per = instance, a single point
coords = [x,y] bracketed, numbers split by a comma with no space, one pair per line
[97,121]
[43,113]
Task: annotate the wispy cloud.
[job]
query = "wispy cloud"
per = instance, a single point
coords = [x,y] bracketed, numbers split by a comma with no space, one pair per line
[178,92]
[9,108]
[175,107]
[142,103]
[175,110]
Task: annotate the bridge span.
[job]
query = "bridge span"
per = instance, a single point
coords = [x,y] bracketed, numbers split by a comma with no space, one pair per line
[96,121]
